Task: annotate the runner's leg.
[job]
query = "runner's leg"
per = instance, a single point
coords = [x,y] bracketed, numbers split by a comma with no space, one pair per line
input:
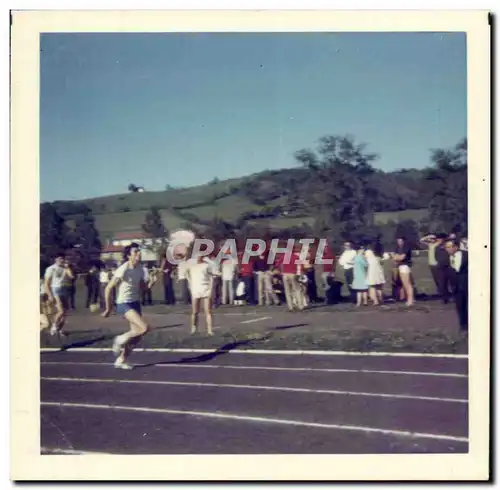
[207,307]
[194,314]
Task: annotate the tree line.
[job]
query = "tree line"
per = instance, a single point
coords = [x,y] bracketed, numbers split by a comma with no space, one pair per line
[336,183]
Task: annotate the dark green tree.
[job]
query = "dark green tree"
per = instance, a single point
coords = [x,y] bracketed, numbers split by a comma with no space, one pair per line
[448,182]
[337,188]
[53,234]
[219,230]
[153,224]
[409,229]
[85,242]
[154,228]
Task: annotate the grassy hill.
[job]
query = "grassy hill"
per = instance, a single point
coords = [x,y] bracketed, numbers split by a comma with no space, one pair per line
[260,198]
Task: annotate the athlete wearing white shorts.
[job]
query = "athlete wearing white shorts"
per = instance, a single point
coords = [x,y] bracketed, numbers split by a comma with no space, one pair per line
[57,294]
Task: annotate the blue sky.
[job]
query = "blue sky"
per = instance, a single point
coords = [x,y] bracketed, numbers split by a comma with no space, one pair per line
[181,109]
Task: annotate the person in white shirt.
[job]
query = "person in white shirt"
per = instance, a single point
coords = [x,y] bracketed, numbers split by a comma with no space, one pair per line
[375,274]
[346,261]
[200,274]
[55,277]
[216,280]
[129,279]
[229,267]
[103,282]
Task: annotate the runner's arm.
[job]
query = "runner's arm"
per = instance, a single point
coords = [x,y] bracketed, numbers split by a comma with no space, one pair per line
[115,281]
[48,288]
[427,238]
[153,277]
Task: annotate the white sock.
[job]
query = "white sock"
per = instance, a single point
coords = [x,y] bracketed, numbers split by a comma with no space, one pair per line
[121,339]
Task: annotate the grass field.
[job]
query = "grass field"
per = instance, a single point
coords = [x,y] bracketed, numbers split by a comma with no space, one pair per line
[283,223]
[396,216]
[228,208]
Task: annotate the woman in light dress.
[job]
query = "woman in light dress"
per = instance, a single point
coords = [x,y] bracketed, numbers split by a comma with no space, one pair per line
[200,274]
[375,274]
[359,283]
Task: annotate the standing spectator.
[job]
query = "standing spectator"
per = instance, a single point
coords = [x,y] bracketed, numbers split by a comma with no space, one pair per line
[216,279]
[181,277]
[438,263]
[167,270]
[260,268]
[240,293]
[289,271]
[359,283]
[403,258]
[310,273]
[229,269]
[375,274]
[246,272]
[346,261]
[432,241]
[271,297]
[459,262]
[111,275]
[442,269]
[147,296]
[464,244]
[277,285]
[103,284]
[328,277]
[69,283]
[92,284]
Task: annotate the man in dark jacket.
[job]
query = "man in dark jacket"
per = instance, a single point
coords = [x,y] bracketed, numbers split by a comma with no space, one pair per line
[93,286]
[442,269]
[167,269]
[459,275]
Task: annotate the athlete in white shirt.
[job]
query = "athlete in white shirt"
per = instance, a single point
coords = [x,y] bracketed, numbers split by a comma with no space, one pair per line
[57,294]
[200,274]
[129,279]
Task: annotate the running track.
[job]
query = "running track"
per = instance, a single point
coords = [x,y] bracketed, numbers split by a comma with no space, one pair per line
[234,403]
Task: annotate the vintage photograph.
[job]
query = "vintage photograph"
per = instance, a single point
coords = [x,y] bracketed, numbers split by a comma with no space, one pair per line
[254,243]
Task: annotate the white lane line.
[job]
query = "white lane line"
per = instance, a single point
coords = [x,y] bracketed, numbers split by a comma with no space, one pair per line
[255,387]
[267,368]
[253,320]
[75,452]
[298,423]
[269,352]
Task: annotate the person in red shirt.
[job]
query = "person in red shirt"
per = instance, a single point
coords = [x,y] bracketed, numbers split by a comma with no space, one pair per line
[246,273]
[260,270]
